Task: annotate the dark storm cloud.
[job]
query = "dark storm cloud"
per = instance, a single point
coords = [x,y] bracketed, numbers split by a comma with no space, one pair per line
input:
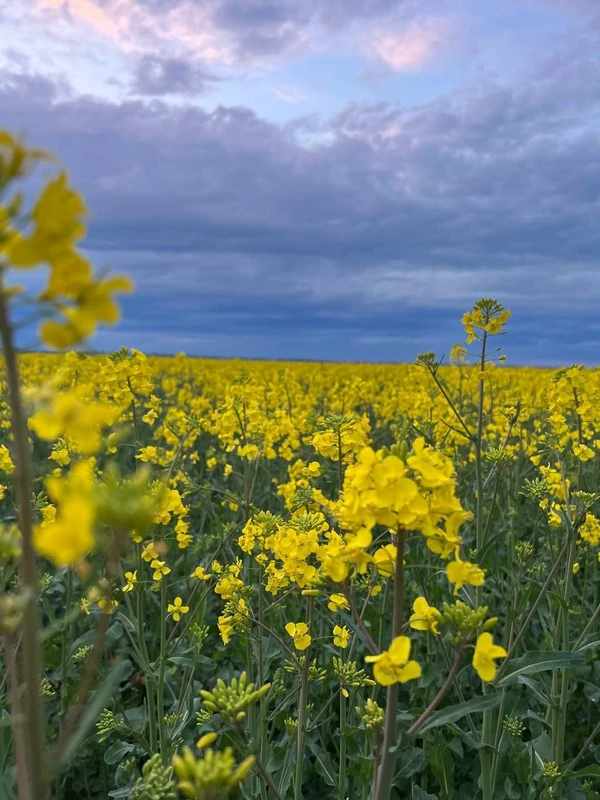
[371,240]
[156,76]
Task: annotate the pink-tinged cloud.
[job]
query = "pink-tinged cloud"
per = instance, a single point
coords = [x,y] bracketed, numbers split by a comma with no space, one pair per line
[412,48]
[133,27]
[109,21]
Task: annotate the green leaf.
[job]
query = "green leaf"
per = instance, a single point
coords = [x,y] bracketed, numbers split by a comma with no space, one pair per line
[454,713]
[411,761]
[99,701]
[182,661]
[592,771]
[323,764]
[482,554]
[442,766]
[285,776]
[419,794]
[117,751]
[589,645]
[535,661]
[536,689]
[542,747]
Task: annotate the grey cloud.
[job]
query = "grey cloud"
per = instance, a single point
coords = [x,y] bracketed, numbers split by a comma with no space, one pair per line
[223,215]
[156,76]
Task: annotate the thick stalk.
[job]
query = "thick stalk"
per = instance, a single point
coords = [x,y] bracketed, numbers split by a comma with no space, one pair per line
[340,465]
[388,761]
[29,580]
[302,703]
[566,674]
[478,460]
[485,755]
[162,728]
[17,718]
[342,769]
[262,726]
[67,637]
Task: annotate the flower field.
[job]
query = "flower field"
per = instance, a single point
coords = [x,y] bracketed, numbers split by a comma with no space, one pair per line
[287,580]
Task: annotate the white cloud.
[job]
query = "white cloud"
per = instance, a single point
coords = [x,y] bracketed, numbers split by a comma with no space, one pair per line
[414,47]
[289,94]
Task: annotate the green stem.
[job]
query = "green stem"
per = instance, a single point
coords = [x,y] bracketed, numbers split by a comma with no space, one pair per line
[388,761]
[566,674]
[585,746]
[262,723]
[485,754]
[31,619]
[302,703]
[418,723]
[340,465]
[162,728]
[17,716]
[342,770]
[67,637]
[480,531]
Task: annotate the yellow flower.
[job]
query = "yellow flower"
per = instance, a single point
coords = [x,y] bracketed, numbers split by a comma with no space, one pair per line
[576,567]
[6,464]
[590,530]
[183,540]
[177,608]
[94,305]
[299,633]
[385,560]
[341,636]
[147,454]
[68,538]
[48,515]
[160,568]
[485,653]
[67,414]
[107,605]
[463,572]
[426,617]
[61,456]
[149,553]
[199,574]
[393,665]
[583,452]
[131,578]
[337,602]
[57,219]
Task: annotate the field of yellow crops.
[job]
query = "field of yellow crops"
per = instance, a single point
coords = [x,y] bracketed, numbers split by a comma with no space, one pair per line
[287,580]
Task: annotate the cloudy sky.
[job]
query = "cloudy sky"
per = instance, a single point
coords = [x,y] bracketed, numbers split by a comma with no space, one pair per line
[327,179]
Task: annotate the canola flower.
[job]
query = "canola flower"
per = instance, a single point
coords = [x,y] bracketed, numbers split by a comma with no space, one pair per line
[394,664]
[341,636]
[177,609]
[299,633]
[484,656]
[425,617]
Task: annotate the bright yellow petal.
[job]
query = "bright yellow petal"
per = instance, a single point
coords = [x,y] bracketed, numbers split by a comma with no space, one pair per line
[409,672]
[400,650]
